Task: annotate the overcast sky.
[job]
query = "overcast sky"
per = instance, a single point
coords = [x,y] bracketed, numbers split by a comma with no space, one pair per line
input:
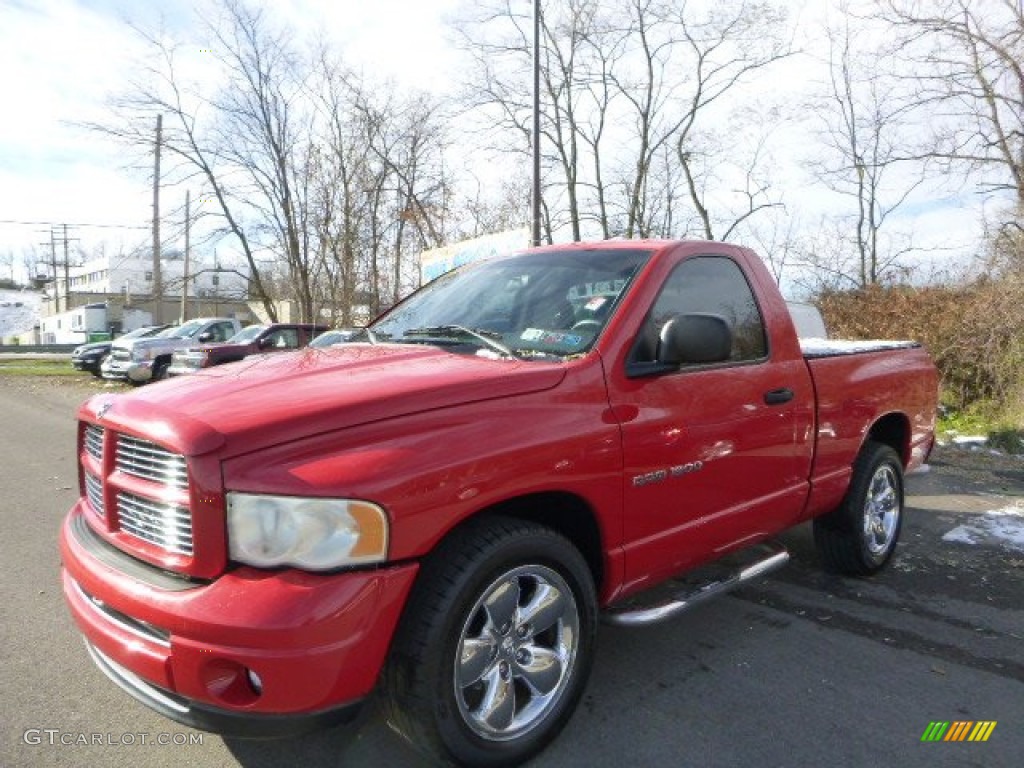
[60,59]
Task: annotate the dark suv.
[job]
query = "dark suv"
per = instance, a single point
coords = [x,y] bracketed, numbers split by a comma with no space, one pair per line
[89,357]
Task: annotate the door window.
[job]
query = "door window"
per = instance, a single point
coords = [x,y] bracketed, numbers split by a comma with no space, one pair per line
[713,285]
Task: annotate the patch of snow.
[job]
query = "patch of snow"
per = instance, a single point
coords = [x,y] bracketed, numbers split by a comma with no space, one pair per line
[970,439]
[823,347]
[962,534]
[19,312]
[924,469]
[1003,527]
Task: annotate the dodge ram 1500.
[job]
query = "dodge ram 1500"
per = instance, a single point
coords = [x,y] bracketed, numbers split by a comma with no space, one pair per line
[445,511]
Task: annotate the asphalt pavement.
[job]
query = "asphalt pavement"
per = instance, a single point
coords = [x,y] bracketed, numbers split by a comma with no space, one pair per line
[799,669]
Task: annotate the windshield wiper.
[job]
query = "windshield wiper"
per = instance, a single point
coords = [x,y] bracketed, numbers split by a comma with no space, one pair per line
[486,338]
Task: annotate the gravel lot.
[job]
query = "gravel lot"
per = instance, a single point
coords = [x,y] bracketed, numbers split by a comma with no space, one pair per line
[802,668]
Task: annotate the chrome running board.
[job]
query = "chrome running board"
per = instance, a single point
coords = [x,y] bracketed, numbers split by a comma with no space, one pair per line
[629,616]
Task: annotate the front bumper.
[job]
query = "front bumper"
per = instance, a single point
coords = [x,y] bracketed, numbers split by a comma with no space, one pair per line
[251,653]
[86,363]
[128,369]
[222,721]
[177,369]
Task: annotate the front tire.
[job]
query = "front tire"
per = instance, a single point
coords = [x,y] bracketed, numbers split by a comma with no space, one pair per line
[494,652]
[95,370]
[860,537]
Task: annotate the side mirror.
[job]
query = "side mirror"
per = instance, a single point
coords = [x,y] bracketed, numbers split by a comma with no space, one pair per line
[694,339]
[263,343]
[206,336]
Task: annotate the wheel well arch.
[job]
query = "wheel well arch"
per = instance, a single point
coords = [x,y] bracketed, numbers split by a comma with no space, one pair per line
[893,430]
[561,511]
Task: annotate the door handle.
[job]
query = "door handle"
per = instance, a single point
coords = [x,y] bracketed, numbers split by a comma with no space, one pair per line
[778,396]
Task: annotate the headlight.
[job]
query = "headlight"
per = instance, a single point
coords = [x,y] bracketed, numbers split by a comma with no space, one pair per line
[315,534]
[138,355]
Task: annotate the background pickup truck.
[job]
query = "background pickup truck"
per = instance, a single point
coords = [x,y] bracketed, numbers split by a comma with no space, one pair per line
[276,337]
[444,511]
[140,360]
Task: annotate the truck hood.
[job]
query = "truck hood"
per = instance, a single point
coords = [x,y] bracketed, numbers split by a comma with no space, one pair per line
[272,399]
[147,343]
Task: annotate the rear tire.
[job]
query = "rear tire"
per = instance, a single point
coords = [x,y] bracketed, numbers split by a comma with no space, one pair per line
[495,647]
[860,537]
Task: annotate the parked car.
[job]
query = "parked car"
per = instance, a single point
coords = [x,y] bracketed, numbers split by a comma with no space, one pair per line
[443,514]
[338,336]
[89,357]
[140,360]
[277,337]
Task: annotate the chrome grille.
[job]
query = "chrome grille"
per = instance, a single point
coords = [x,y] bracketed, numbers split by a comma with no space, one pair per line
[165,525]
[149,461]
[94,490]
[94,441]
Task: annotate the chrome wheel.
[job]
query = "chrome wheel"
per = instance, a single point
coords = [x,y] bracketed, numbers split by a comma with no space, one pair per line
[516,652]
[881,510]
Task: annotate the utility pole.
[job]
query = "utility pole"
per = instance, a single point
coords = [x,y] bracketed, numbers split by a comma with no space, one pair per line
[53,270]
[184,276]
[535,228]
[67,264]
[158,284]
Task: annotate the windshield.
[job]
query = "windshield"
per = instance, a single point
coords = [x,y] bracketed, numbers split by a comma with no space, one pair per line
[532,305]
[247,334]
[146,330]
[330,338]
[186,331]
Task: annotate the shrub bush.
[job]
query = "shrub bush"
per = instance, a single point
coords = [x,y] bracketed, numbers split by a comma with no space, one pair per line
[975,332]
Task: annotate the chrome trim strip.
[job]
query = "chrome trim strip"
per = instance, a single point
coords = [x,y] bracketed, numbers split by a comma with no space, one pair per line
[101,611]
[130,682]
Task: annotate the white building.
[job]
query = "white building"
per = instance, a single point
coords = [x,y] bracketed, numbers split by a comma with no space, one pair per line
[133,276]
[76,325]
[114,294]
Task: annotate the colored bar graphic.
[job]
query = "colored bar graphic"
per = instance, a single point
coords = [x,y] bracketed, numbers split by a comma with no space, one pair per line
[959,730]
[982,731]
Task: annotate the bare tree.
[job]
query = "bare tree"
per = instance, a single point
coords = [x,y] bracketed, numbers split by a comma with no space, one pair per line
[867,159]
[631,94]
[966,58]
[158,88]
[7,263]
[328,181]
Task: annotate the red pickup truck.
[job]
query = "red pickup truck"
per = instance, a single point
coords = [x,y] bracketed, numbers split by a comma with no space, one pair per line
[444,511]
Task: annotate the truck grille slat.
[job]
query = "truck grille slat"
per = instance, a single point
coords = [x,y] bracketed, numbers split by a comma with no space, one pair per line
[147,517]
[166,525]
[94,441]
[149,461]
[94,492]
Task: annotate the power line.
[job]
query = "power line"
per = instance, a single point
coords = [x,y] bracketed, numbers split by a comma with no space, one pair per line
[95,226]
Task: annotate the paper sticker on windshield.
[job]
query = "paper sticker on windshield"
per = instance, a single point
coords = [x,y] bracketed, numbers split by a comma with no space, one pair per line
[554,338]
[596,303]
